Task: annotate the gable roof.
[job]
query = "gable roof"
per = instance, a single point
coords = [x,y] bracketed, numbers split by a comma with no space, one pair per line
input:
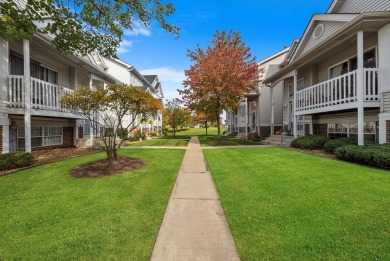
[330,24]
[150,78]
[358,6]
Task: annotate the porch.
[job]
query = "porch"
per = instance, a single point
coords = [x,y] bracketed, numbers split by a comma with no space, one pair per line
[339,93]
[44,95]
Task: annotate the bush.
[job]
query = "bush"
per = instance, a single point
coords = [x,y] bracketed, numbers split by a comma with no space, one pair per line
[372,155]
[153,134]
[310,142]
[331,145]
[15,160]
[123,134]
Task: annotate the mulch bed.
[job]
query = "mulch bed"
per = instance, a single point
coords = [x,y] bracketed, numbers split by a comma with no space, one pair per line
[321,153]
[102,168]
[44,156]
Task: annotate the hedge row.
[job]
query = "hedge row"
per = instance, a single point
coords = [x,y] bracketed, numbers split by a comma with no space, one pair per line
[15,160]
[310,142]
[331,145]
[373,155]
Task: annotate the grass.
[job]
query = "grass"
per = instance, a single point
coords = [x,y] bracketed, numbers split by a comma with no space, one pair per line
[206,141]
[198,132]
[285,205]
[48,215]
[163,141]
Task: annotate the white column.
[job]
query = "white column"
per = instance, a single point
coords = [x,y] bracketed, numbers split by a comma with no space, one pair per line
[246,117]
[360,88]
[272,110]
[27,95]
[5,122]
[295,129]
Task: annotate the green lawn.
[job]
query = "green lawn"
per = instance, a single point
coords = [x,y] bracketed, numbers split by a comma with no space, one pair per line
[163,141]
[206,141]
[285,205]
[48,215]
[198,132]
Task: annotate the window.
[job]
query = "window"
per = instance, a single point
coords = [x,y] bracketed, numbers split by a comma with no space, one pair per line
[340,130]
[301,85]
[369,61]
[40,136]
[36,70]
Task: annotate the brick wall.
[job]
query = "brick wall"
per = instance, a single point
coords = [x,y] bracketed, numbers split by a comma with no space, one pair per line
[388,131]
[1,138]
[265,131]
[320,129]
[67,136]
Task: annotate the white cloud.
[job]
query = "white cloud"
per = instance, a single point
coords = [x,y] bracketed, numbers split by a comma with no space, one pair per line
[138,29]
[166,74]
[124,46]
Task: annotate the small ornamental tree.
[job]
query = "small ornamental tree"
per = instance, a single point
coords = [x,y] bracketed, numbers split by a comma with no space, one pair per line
[82,26]
[113,105]
[220,75]
[175,115]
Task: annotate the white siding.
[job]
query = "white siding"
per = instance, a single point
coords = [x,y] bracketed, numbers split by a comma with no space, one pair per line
[386,102]
[349,117]
[117,70]
[83,78]
[310,42]
[360,6]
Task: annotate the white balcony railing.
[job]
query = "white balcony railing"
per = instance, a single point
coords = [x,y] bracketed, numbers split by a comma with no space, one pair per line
[44,95]
[339,90]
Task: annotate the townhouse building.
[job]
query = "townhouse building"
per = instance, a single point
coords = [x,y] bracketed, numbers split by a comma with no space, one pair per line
[336,77]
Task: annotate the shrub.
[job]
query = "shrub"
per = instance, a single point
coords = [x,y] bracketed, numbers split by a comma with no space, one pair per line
[310,142]
[372,155]
[122,133]
[15,160]
[153,134]
[331,145]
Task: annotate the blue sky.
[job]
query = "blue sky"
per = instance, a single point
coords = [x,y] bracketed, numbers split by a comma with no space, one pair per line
[265,26]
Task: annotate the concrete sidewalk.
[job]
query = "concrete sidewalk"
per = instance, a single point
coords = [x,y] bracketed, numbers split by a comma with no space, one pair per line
[194,225]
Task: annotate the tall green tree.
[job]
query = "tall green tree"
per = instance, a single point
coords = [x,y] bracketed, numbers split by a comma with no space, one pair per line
[113,105]
[220,75]
[82,26]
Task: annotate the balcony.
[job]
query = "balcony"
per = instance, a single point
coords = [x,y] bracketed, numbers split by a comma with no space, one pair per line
[44,95]
[339,93]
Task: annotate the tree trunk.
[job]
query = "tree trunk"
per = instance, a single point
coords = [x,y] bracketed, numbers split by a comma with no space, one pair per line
[206,125]
[218,125]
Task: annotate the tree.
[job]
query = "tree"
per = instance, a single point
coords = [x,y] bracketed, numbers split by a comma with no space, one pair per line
[221,75]
[112,105]
[81,26]
[174,115]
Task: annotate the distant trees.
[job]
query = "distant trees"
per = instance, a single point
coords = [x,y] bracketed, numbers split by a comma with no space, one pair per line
[220,75]
[82,26]
[107,107]
[174,115]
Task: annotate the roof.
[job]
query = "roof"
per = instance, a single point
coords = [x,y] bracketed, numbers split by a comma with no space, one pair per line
[150,78]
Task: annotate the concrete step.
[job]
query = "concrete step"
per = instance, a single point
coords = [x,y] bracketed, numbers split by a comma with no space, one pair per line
[276,140]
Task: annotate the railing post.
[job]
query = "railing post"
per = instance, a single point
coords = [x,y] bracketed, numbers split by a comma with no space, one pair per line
[295,104]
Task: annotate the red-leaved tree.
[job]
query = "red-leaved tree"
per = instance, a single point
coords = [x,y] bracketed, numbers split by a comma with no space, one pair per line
[220,75]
